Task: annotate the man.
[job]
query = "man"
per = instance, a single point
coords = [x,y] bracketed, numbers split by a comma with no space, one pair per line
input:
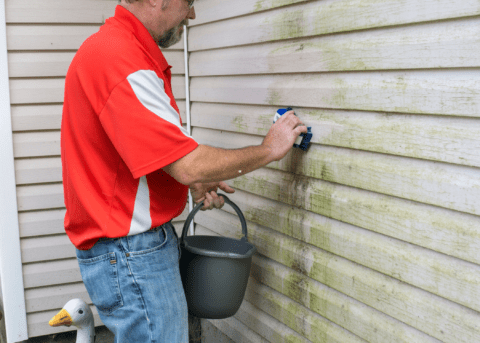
[127,166]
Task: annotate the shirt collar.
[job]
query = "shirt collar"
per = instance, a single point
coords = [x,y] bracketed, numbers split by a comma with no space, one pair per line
[140,32]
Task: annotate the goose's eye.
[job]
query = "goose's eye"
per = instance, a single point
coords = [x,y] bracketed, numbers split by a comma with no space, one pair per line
[80,311]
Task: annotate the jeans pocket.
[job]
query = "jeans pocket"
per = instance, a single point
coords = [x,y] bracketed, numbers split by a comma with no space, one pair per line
[148,242]
[100,276]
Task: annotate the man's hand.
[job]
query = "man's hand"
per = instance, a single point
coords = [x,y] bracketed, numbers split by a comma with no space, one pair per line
[207,192]
[282,135]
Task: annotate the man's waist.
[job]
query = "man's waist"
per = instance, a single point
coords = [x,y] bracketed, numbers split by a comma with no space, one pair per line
[102,239]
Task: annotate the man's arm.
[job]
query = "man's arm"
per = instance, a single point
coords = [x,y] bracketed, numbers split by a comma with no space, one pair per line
[209,164]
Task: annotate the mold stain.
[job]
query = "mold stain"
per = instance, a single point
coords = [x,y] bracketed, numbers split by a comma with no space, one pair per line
[319,234]
[315,20]
[294,287]
[321,200]
[286,311]
[339,98]
[294,222]
[263,124]
[293,339]
[323,55]
[285,25]
[239,123]
[299,288]
[273,97]
[262,5]
[296,317]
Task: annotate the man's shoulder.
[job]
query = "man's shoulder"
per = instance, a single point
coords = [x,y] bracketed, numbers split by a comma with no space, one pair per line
[103,61]
[109,56]
[111,46]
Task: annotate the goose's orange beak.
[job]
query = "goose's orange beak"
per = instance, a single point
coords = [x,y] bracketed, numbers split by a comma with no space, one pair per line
[61,318]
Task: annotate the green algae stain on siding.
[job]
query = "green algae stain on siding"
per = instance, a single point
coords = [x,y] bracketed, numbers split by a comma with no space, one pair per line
[317,20]
[259,185]
[287,312]
[262,5]
[273,97]
[294,222]
[269,217]
[299,288]
[294,287]
[320,234]
[239,123]
[286,25]
[339,98]
[321,200]
[264,124]
[293,339]
[328,57]
[294,315]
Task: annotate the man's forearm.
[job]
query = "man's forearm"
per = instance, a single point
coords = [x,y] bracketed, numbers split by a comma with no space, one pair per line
[209,164]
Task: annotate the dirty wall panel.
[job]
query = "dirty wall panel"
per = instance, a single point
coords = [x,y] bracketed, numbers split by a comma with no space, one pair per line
[373,230]
[441,227]
[424,137]
[264,20]
[269,313]
[454,43]
[419,92]
[42,38]
[320,306]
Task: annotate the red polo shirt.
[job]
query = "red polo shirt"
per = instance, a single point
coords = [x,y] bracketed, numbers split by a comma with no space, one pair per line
[120,126]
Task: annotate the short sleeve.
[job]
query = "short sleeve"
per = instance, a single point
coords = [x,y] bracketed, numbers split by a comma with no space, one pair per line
[143,125]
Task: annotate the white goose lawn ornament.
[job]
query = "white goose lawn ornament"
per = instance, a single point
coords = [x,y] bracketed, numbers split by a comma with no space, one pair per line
[77,313]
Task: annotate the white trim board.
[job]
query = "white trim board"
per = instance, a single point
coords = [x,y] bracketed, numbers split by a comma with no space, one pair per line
[10,257]
[187,108]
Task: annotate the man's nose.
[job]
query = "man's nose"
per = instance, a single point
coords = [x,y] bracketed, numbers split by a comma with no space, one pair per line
[191,13]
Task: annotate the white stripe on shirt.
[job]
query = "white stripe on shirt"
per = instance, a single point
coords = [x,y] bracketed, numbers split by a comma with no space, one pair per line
[150,91]
[141,220]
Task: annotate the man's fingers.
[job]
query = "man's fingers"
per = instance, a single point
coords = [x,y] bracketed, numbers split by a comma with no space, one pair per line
[211,199]
[291,120]
[226,188]
[217,201]
[286,115]
[208,202]
[301,129]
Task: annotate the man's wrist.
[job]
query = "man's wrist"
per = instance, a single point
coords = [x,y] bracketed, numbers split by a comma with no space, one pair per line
[267,153]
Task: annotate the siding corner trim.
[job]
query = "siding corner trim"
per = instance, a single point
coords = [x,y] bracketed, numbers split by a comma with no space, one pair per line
[11,275]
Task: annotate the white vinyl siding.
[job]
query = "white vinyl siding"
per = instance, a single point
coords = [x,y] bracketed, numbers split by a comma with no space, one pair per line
[372,235]
[42,38]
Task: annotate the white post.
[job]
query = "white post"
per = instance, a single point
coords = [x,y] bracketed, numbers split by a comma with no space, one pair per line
[187,100]
[10,257]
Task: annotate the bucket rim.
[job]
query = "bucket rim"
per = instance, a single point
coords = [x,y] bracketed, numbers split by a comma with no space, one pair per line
[211,253]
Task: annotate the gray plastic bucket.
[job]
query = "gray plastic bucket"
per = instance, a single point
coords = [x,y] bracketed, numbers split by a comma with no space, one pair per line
[215,270]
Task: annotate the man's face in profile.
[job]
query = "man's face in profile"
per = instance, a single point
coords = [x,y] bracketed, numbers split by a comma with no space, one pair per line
[172,36]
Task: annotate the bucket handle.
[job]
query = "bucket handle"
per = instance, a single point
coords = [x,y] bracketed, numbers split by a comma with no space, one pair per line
[197,208]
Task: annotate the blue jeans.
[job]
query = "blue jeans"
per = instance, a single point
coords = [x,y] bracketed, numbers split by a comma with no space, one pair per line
[135,284]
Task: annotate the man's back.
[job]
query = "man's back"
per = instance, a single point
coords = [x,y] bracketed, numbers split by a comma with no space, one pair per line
[113,144]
